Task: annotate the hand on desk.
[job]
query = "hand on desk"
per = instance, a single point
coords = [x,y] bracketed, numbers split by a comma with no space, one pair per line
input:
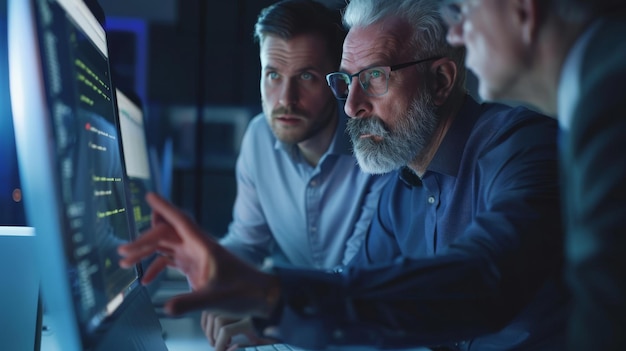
[220,282]
[221,330]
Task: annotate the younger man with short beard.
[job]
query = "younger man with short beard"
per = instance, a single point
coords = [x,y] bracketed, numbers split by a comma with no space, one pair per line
[301,198]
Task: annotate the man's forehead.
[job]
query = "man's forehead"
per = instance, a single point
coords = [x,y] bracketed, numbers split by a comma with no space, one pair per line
[305,45]
[297,54]
[301,41]
[379,43]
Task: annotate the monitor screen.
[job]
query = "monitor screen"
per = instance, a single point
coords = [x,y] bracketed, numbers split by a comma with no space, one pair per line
[72,168]
[136,158]
[139,172]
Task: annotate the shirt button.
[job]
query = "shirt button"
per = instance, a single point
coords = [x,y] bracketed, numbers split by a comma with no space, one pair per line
[313,183]
[431,199]
[338,334]
[313,229]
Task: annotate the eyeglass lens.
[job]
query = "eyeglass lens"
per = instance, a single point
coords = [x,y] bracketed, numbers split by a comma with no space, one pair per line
[373,81]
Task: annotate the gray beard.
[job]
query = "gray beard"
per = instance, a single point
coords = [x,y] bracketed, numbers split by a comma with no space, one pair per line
[400,144]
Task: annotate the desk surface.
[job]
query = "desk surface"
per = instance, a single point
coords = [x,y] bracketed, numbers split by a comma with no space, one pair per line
[184,334]
[180,333]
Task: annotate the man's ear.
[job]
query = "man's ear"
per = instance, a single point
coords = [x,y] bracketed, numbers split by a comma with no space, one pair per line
[445,72]
[527,15]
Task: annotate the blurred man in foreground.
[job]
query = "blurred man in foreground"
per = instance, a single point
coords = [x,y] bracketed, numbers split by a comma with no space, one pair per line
[568,58]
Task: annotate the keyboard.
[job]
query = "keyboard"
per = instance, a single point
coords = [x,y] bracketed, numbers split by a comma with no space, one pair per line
[271,347]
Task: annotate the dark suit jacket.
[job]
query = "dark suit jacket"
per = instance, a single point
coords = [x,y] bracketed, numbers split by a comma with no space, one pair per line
[593,158]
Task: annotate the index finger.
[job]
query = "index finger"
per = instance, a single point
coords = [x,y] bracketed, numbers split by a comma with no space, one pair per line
[155,239]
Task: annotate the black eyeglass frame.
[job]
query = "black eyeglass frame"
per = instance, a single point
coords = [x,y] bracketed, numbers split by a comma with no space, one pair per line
[365,89]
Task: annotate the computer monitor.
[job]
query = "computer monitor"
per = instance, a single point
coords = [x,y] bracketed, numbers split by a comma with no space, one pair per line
[136,158]
[139,168]
[73,179]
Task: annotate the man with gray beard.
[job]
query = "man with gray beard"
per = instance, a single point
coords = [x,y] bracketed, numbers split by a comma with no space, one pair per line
[475,200]
[464,251]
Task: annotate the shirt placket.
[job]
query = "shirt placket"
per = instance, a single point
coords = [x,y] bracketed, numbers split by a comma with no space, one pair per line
[312,199]
[431,197]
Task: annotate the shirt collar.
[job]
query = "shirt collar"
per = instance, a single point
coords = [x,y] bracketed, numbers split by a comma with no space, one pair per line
[448,157]
[409,178]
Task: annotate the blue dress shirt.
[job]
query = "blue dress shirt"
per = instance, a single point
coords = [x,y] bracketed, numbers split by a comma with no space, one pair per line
[299,214]
[469,256]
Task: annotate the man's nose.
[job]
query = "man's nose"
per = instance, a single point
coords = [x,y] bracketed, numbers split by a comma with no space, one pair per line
[289,93]
[357,103]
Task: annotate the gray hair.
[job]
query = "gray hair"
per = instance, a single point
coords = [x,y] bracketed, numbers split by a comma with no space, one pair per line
[429,28]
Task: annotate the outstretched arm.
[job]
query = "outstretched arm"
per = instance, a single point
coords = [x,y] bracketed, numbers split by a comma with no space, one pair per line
[221,282]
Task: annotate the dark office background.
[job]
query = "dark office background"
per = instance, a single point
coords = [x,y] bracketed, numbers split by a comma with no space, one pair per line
[194,65]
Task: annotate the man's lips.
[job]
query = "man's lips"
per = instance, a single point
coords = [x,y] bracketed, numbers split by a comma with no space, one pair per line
[288,118]
[374,137]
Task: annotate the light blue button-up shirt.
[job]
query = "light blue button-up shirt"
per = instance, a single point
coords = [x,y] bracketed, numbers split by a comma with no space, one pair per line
[295,213]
